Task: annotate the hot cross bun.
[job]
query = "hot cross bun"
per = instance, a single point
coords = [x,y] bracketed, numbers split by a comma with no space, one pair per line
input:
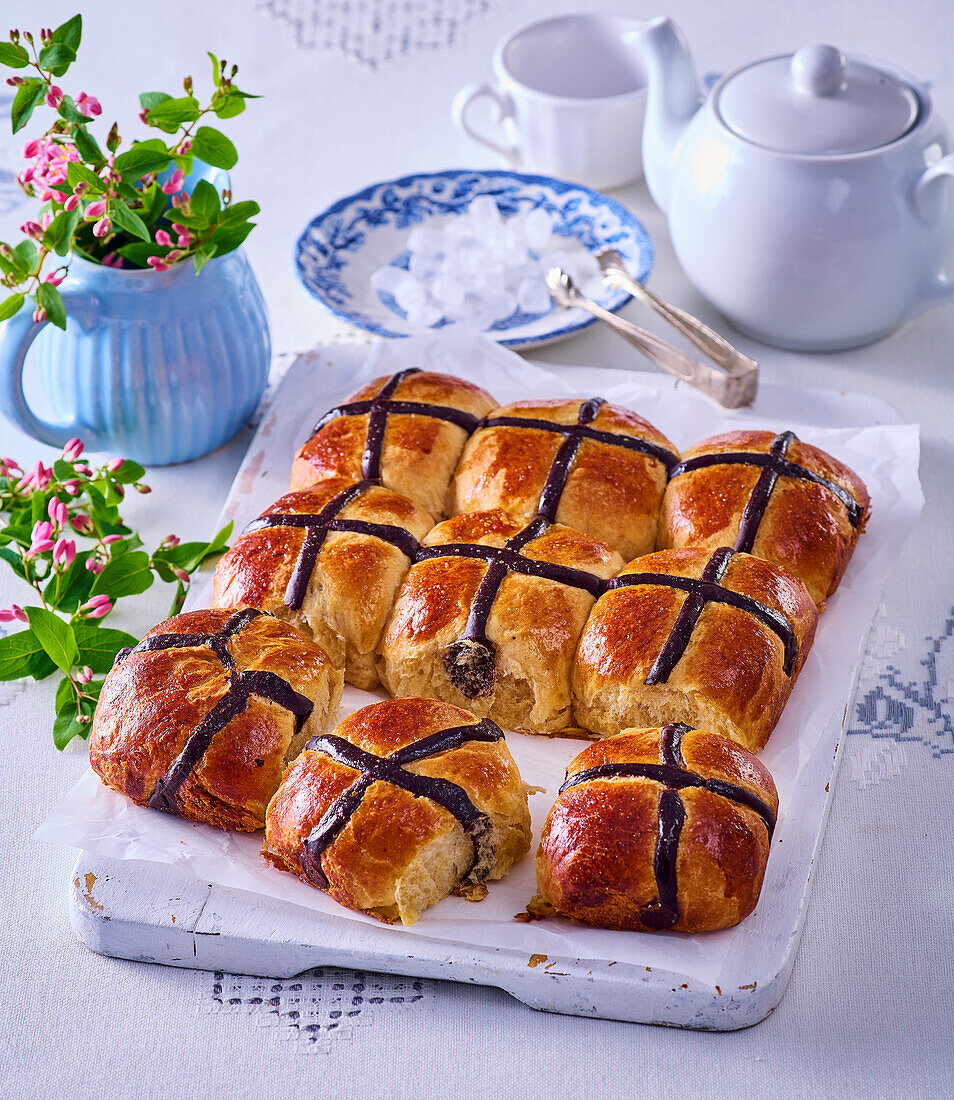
[329,561]
[406,431]
[657,829]
[202,716]
[768,495]
[490,614]
[712,639]
[596,467]
[404,803]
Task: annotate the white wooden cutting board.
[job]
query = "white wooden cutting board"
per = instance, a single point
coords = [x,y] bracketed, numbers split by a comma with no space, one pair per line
[157,912]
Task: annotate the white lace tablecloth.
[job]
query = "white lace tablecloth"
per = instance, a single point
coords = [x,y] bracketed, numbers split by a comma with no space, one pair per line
[359,90]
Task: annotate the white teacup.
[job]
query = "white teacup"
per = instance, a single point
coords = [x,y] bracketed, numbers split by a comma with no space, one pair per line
[571,95]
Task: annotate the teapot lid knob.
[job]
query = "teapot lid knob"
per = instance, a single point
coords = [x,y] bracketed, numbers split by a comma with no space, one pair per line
[819,70]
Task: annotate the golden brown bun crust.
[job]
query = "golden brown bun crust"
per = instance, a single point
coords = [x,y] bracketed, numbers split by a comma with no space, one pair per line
[372,863]
[352,586]
[152,701]
[595,863]
[534,624]
[805,529]
[611,493]
[730,678]
[420,453]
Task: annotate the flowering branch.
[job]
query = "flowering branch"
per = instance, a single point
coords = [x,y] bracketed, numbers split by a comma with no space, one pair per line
[140,208]
[61,533]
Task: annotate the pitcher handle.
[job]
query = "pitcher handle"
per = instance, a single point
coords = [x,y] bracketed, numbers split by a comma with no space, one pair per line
[504,104]
[928,203]
[18,335]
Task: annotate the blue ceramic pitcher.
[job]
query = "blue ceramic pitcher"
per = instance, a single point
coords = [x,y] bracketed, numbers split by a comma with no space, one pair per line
[160,367]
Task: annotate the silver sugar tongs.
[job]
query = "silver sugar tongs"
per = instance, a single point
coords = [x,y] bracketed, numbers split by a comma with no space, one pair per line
[732,386]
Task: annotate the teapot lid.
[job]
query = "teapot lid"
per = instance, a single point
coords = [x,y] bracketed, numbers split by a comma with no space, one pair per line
[817,101]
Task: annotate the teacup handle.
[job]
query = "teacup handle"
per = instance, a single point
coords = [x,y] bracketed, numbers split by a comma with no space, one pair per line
[927,202]
[505,110]
[17,337]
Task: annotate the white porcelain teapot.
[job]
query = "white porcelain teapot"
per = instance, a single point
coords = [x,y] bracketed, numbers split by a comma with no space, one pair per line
[806,195]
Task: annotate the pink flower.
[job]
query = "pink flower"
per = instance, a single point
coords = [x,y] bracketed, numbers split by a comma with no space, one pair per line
[173,256]
[55,279]
[84,675]
[10,463]
[80,189]
[64,551]
[31,148]
[32,229]
[54,96]
[8,614]
[88,105]
[184,146]
[180,574]
[163,238]
[26,175]
[42,530]
[82,468]
[144,116]
[110,539]
[95,210]
[39,316]
[143,489]
[94,566]
[73,448]
[173,184]
[185,239]
[111,260]
[58,513]
[102,227]
[72,487]
[180,200]
[38,478]
[97,607]
[46,218]
[170,541]
[81,523]
[71,203]
[157,263]
[115,464]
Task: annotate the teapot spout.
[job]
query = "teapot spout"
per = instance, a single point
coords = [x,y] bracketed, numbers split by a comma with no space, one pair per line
[672,100]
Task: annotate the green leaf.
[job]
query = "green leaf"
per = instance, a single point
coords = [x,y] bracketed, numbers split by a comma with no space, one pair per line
[240,211]
[214,148]
[139,253]
[138,160]
[54,635]
[52,301]
[79,585]
[202,256]
[230,106]
[177,600]
[13,56]
[125,576]
[148,100]
[205,201]
[27,253]
[126,219]
[216,69]
[129,472]
[59,234]
[10,306]
[29,94]
[68,110]
[228,237]
[98,645]
[88,149]
[57,57]
[66,725]
[79,173]
[70,32]
[13,559]
[22,655]
[172,113]
[154,202]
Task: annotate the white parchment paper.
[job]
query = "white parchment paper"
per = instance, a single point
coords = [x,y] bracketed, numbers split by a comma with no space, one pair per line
[857,430]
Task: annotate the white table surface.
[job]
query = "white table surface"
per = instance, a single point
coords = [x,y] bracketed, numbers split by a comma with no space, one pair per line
[868,1008]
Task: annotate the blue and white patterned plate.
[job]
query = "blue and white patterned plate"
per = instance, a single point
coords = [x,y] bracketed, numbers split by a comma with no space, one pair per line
[341,248]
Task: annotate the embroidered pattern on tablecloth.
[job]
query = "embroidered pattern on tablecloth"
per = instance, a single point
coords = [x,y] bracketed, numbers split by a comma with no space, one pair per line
[376,32]
[316,1007]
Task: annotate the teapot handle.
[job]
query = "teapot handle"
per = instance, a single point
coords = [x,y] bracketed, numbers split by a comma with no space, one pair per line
[15,341]
[928,203]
